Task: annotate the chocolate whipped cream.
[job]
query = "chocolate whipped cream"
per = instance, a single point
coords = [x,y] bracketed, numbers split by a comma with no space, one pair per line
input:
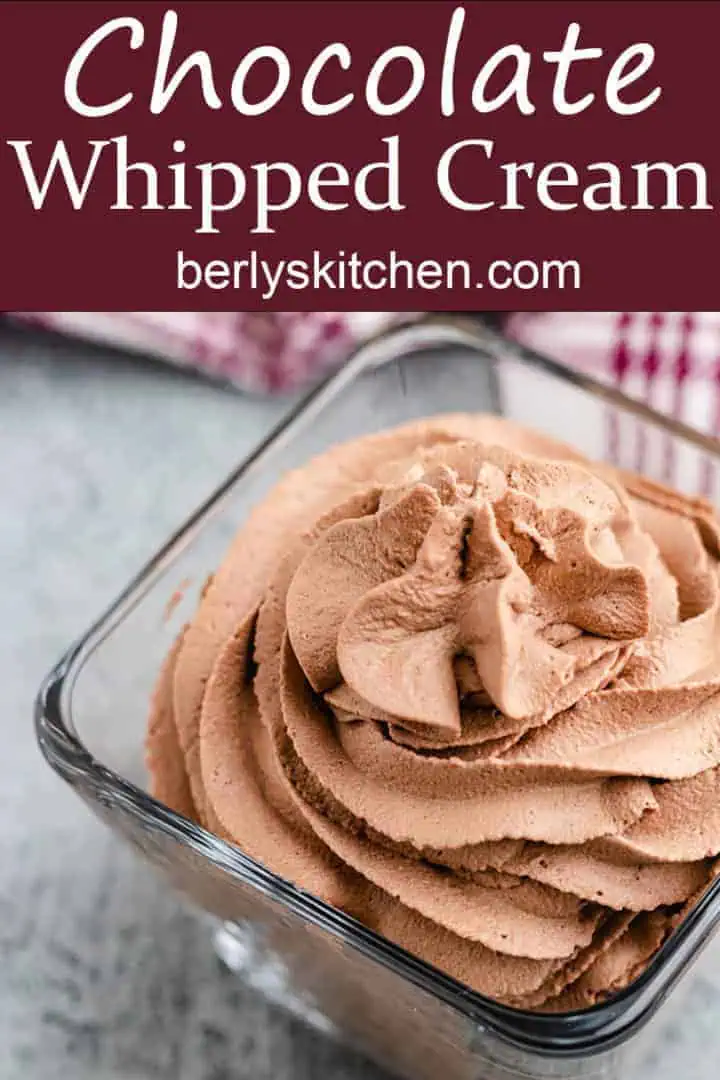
[464,685]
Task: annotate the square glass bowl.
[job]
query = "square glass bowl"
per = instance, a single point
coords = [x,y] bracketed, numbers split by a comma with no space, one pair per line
[345,979]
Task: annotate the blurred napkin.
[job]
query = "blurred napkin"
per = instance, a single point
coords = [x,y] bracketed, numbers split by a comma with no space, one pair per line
[668,359]
[264,351]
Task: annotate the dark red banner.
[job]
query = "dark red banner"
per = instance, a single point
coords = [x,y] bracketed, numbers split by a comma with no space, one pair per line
[359,155]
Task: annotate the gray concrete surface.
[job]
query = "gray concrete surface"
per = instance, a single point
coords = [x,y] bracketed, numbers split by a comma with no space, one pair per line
[104,975]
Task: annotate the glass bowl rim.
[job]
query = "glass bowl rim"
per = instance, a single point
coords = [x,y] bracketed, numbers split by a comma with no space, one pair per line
[576,1034]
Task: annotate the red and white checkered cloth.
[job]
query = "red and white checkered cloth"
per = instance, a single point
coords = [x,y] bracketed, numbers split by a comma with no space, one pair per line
[669,360]
[267,351]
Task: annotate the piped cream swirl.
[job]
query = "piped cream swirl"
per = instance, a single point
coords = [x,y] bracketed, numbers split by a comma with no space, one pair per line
[465,686]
